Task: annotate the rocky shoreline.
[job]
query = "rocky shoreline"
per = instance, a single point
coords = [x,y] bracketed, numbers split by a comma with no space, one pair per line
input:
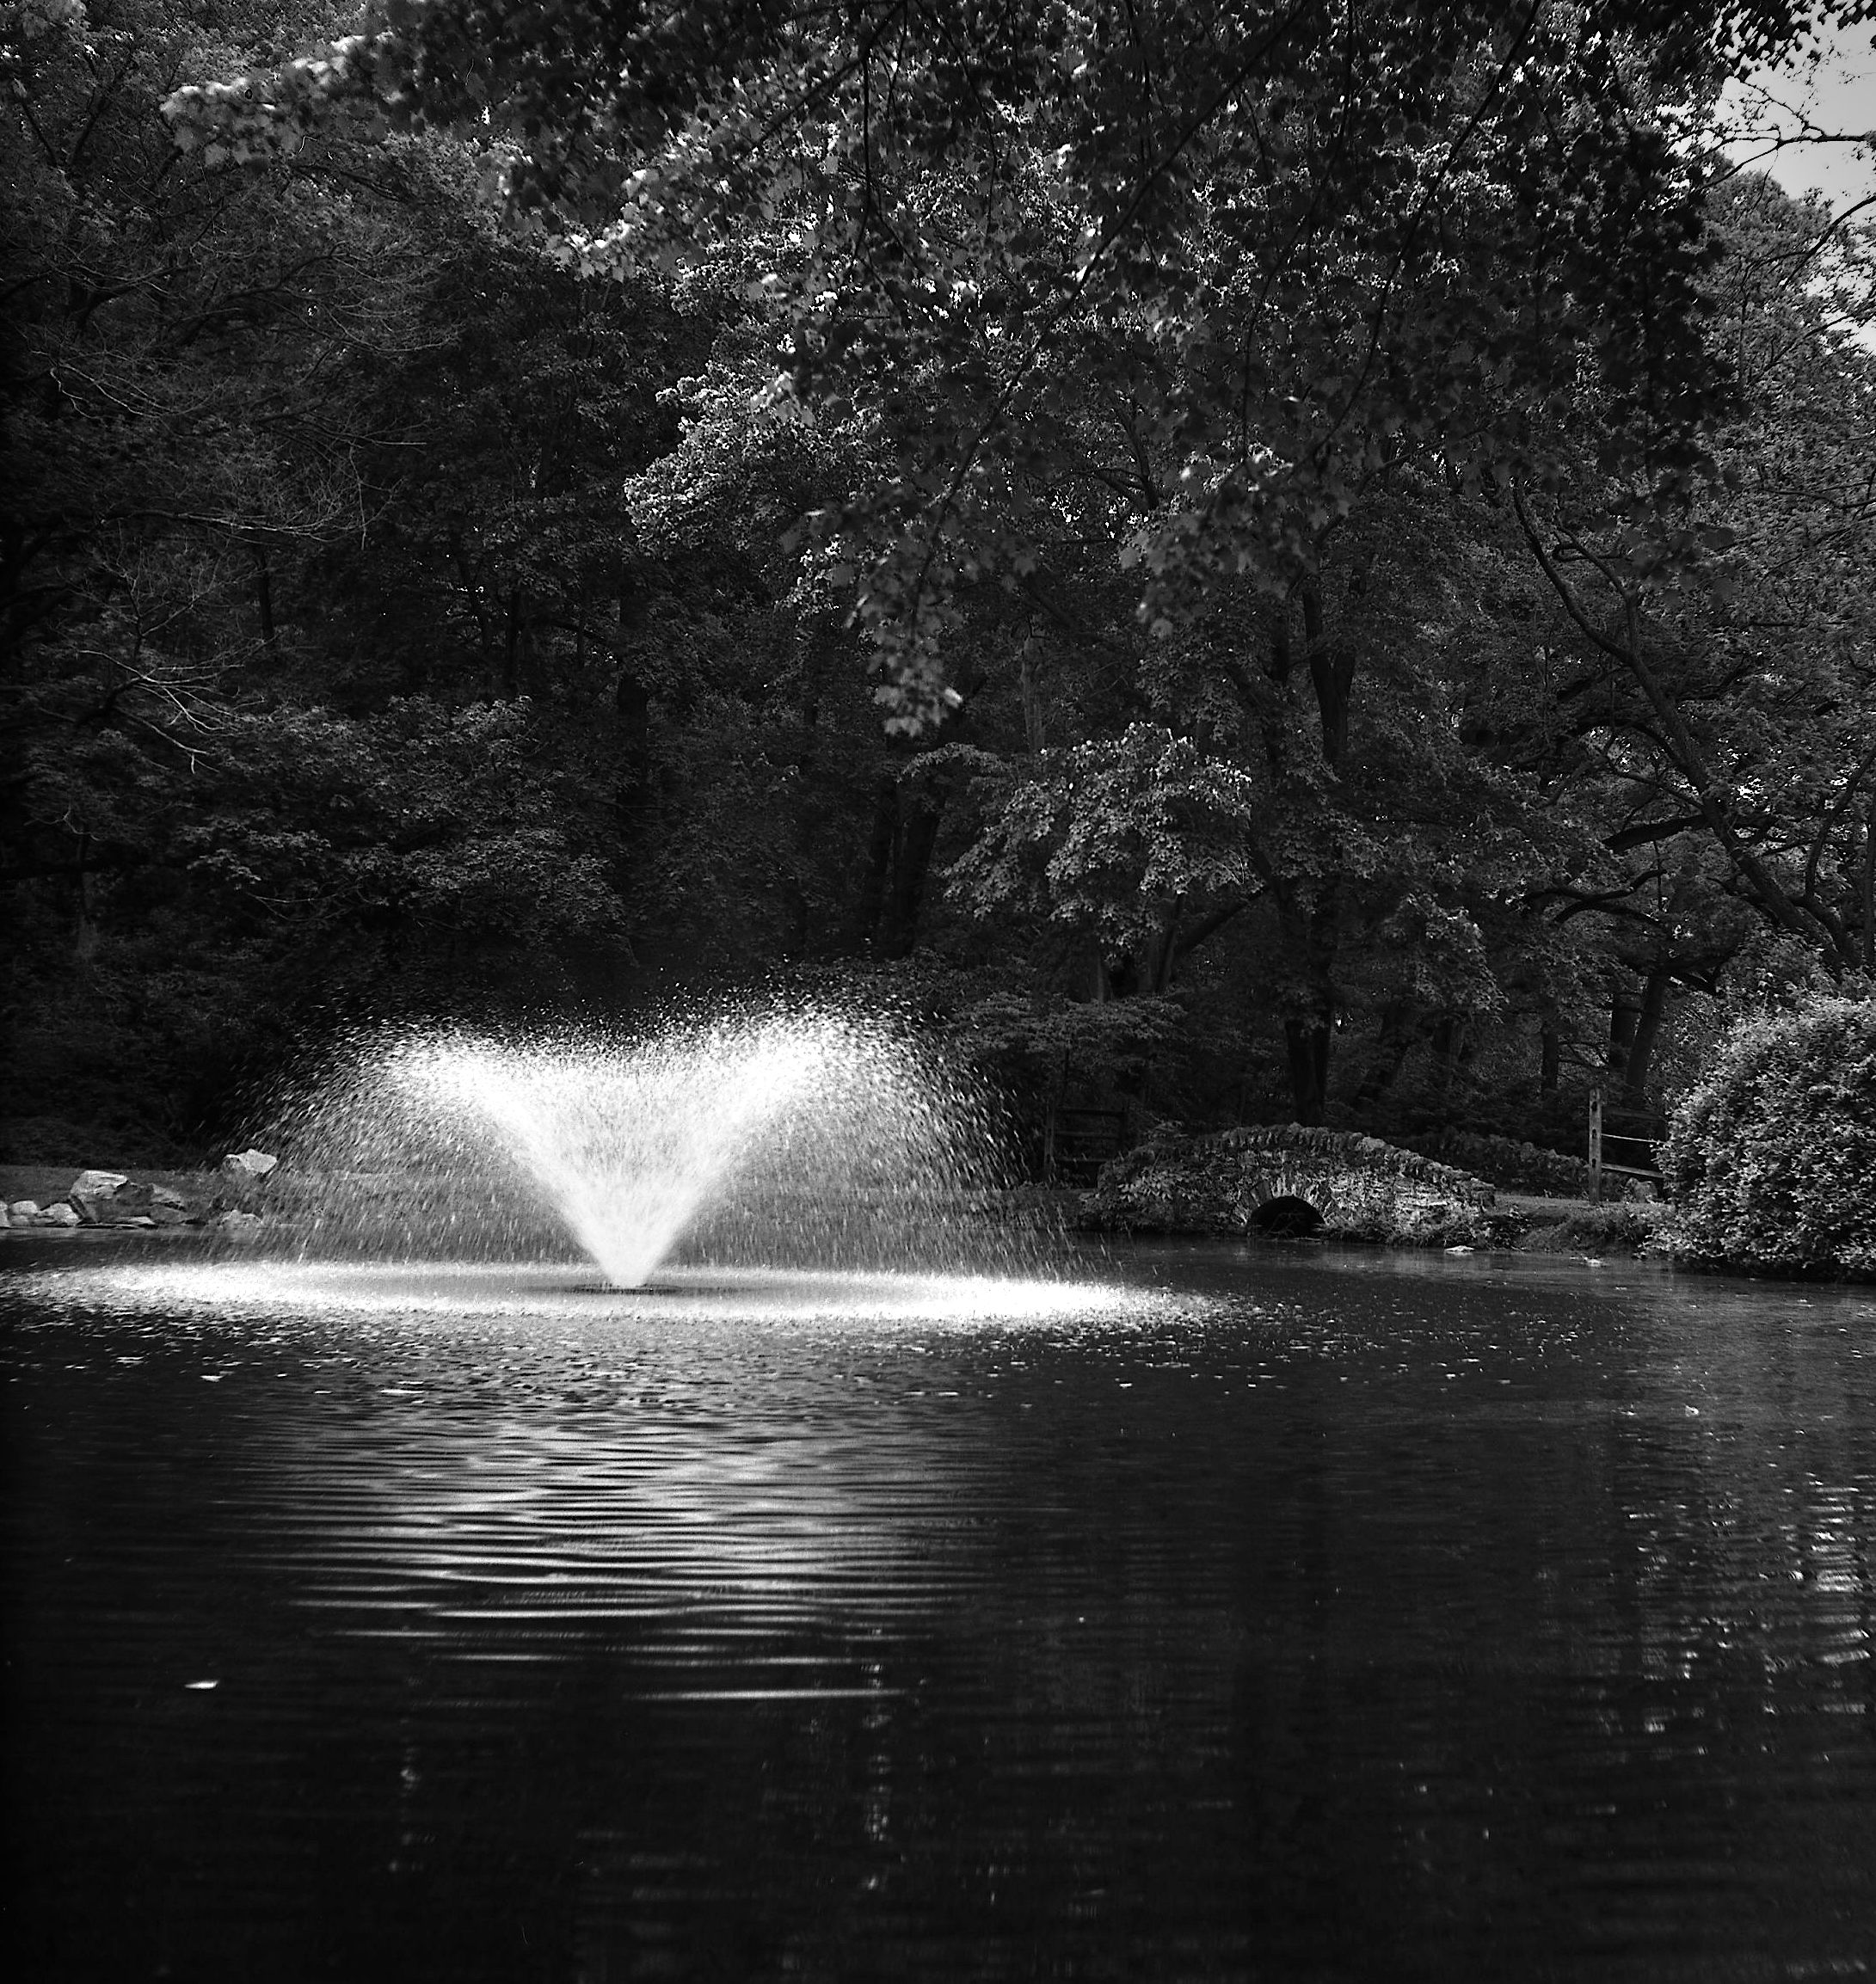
[245,1197]
[229,1200]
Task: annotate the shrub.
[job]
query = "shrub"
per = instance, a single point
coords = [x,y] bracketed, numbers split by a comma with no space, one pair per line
[1450,1226]
[1622,1228]
[1516,1167]
[1771,1162]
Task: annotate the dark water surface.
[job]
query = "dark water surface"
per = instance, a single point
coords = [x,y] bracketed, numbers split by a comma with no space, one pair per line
[1265,1615]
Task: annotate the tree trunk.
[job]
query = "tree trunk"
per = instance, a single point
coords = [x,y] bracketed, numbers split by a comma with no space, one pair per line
[1331,675]
[1549,1058]
[1308,1041]
[263,596]
[810,806]
[511,653]
[84,941]
[1448,1034]
[1641,1047]
[1159,954]
[1032,705]
[1393,1040]
[879,860]
[632,708]
[1312,928]
[471,591]
[1309,913]
[1147,970]
[1869,887]
[921,812]
[1625,1014]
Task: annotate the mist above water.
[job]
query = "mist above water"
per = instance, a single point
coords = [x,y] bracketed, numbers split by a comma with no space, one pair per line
[808,1139]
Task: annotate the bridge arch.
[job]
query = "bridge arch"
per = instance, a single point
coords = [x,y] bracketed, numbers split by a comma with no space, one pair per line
[1286,1216]
[1232,1180]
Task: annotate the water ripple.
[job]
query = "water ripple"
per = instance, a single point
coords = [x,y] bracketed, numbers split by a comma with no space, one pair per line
[1196,1615]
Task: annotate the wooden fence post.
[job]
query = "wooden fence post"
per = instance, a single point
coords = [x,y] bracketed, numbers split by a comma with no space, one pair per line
[1053,1117]
[1595,1144]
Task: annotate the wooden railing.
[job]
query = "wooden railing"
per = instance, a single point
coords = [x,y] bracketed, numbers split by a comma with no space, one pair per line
[1622,1143]
[1076,1143]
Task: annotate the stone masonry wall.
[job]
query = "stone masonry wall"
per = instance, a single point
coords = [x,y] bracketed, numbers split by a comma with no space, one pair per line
[1214,1184]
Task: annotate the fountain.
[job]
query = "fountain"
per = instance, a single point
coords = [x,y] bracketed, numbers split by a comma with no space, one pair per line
[800,1140]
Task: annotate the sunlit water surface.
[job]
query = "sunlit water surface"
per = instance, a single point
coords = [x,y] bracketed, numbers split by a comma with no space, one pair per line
[1199,1614]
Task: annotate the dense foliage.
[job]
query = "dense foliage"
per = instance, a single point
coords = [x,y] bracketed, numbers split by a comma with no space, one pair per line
[1771,1159]
[1262,560]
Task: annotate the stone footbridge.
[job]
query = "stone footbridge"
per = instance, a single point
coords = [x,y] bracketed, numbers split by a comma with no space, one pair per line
[1280,1179]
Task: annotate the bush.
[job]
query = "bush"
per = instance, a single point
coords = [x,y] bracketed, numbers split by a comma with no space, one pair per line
[1503,1162]
[1771,1162]
[1623,1228]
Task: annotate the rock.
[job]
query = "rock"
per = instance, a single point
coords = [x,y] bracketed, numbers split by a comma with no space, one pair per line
[124,1208]
[22,1212]
[161,1195]
[249,1164]
[238,1225]
[163,1215]
[141,1219]
[58,1214]
[108,1199]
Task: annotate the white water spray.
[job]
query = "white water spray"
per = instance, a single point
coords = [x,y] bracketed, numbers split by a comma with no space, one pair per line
[803,1138]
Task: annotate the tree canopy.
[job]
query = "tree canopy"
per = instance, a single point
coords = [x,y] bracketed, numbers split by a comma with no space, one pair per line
[1179,534]
[1266,251]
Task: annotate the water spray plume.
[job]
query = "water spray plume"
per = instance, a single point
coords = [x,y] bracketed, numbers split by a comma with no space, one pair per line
[803,1138]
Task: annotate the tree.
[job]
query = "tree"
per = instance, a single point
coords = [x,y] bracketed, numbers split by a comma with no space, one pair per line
[221,386]
[1158,397]
[1174,293]
[1420,217]
[1737,699]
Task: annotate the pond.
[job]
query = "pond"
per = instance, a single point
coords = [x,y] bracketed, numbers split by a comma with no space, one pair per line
[1215,1612]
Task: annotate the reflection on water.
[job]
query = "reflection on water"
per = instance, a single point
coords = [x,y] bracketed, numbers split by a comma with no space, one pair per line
[574,1293]
[1204,1613]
